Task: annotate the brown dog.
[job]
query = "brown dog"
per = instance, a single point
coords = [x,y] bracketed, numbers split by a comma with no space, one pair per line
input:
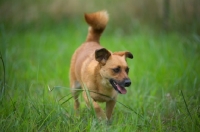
[103,73]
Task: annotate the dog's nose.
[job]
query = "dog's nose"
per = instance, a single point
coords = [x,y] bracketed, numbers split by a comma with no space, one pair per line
[127,83]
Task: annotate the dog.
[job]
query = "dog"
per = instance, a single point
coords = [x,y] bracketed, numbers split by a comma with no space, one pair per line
[98,71]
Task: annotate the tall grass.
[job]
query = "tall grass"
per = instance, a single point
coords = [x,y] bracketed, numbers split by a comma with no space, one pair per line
[164,95]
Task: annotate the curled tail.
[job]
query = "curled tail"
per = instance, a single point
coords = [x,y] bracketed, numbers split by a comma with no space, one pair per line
[97,23]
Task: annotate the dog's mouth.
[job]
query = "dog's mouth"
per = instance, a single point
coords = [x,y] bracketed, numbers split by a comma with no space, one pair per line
[118,87]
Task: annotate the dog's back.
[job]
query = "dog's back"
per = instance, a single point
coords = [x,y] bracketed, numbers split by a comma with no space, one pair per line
[97,23]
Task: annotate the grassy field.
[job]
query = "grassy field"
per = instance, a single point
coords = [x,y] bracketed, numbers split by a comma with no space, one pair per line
[165,74]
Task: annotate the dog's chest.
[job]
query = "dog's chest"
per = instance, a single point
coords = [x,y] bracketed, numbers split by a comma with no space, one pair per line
[103,96]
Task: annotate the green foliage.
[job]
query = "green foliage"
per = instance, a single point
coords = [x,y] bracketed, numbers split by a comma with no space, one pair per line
[165,74]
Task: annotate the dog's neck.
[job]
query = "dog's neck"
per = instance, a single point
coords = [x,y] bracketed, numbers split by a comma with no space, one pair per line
[104,81]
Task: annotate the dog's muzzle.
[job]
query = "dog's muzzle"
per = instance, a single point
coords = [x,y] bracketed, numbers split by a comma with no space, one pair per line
[120,86]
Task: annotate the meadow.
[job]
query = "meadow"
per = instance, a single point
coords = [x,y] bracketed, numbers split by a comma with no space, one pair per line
[165,74]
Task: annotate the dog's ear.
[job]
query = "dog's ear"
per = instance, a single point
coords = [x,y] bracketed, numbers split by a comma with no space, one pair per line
[129,55]
[102,55]
[126,53]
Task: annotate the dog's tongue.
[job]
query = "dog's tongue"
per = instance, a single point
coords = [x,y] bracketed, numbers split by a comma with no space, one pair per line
[121,89]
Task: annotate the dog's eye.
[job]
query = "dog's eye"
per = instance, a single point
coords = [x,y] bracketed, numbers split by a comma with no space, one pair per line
[116,70]
[127,70]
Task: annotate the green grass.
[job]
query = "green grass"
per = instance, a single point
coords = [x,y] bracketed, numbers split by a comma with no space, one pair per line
[165,74]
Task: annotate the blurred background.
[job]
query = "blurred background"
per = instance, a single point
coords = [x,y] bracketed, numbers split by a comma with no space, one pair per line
[178,15]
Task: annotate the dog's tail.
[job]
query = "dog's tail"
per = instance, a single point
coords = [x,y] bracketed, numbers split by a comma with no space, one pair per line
[97,23]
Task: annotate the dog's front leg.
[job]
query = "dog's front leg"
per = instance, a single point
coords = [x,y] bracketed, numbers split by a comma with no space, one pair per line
[99,112]
[109,108]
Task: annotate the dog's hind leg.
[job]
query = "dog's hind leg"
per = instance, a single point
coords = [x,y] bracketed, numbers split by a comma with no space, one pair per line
[75,90]
[75,93]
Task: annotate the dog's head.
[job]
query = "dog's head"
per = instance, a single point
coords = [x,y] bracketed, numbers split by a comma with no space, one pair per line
[114,68]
